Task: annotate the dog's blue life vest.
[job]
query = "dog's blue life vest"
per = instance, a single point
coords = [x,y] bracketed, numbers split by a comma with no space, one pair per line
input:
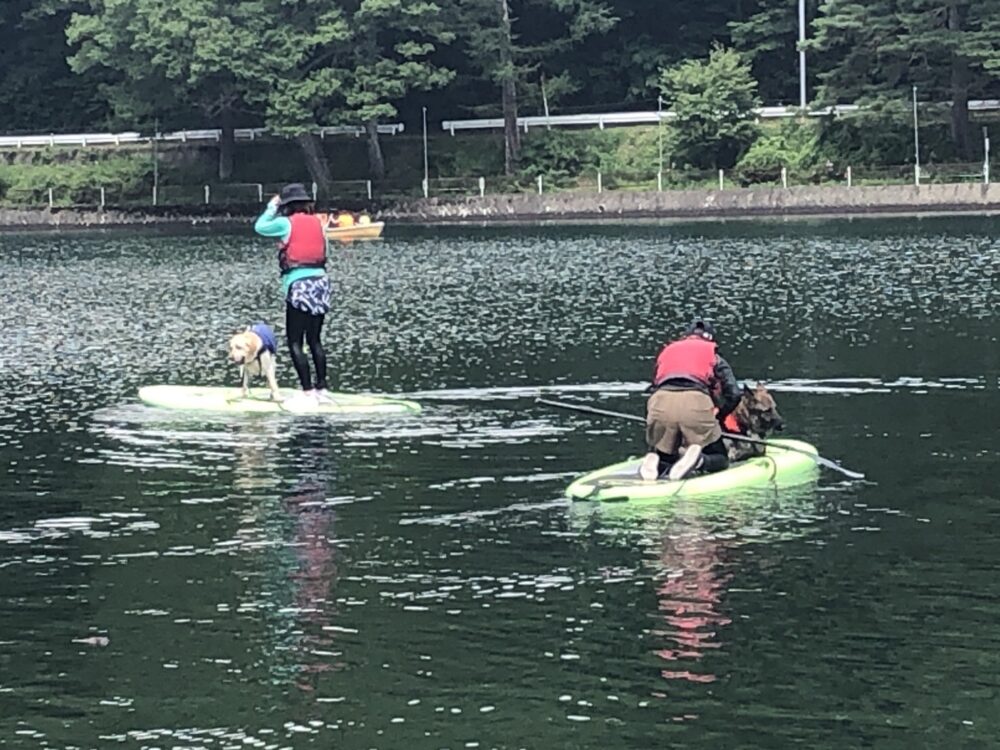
[270,343]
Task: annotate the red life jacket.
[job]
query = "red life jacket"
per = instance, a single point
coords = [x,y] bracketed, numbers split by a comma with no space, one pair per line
[691,358]
[305,246]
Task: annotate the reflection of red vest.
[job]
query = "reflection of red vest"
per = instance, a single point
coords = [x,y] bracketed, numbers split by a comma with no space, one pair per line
[691,358]
[305,246]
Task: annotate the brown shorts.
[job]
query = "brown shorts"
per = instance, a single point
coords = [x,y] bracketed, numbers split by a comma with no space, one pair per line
[680,418]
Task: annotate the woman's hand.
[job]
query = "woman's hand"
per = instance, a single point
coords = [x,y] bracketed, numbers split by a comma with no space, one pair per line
[273,203]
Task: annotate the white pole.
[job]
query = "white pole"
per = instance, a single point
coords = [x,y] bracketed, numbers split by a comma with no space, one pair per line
[156,155]
[426,186]
[208,194]
[482,187]
[103,202]
[600,184]
[659,126]
[659,181]
[802,54]
[784,177]
[260,190]
[368,184]
[721,180]
[154,195]
[986,156]
[51,200]
[849,177]
[426,172]
[315,191]
[539,184]
[916,141]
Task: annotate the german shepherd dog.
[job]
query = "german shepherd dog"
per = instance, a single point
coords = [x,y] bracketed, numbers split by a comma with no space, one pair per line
[757,416]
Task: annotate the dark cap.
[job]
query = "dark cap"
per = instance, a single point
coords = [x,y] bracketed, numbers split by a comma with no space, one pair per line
[294,193]
[701,327]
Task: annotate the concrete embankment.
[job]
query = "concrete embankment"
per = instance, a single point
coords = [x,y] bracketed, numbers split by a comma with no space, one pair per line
[759,201]
[575,206]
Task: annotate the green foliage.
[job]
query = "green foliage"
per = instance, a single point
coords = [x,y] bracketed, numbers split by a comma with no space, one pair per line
[622,155]
[388,53]
[767,36]
[472,155]
[871,140]
[876,51]
[76,178]
[37,88]
[216,57]
[516,45]
[793,144]
[713,102]
[638,152]
[294,64]
[563,155]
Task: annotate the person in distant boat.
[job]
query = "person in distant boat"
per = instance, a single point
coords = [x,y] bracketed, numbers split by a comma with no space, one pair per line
[694,390]
[289,217]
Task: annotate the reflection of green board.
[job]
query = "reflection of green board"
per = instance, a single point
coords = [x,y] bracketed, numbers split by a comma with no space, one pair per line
[215,399]
[621,482]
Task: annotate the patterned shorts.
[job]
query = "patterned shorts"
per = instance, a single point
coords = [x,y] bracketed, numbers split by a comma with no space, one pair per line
[310,295]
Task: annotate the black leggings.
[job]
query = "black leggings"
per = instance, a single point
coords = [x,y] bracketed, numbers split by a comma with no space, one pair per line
[715,454]
[298,326]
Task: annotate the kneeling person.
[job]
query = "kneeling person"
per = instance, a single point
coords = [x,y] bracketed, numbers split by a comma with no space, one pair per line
[694,391]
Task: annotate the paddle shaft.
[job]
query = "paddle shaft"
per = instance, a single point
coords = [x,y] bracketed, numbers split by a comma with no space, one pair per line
[742,438]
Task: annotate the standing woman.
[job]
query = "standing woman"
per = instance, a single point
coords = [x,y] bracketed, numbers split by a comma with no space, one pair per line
[305,285]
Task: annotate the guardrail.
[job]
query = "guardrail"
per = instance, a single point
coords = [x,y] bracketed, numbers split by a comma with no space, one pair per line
[605,119]
[181,136]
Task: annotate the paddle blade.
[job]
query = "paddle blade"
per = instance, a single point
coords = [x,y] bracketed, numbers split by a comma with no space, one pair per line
[837,467]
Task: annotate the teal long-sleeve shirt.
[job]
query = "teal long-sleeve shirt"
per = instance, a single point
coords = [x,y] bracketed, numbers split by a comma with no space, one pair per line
[269,224]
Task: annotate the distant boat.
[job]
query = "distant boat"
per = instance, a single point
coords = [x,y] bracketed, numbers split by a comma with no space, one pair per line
[358,230]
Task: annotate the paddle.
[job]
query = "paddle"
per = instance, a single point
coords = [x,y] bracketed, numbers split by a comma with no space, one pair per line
[742,438]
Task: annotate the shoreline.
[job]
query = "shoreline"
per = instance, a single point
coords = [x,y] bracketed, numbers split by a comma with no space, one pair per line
[968,199]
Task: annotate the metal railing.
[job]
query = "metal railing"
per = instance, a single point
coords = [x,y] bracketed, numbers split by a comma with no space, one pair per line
[607,119]
[178,136]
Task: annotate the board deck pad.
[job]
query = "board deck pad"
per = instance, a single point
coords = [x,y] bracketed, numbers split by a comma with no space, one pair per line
[621,482]
[230,400]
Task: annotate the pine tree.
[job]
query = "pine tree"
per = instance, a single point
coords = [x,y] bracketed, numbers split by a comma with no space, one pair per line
[388,54]
[513,41]
[879,50]
[768,37]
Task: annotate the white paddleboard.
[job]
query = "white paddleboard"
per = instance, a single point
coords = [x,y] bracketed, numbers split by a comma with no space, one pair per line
[219,399]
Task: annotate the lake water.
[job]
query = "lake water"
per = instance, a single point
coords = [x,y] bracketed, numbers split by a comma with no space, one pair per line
[419,582]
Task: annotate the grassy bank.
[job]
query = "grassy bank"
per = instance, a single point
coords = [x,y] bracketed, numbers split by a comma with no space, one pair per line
[628,158]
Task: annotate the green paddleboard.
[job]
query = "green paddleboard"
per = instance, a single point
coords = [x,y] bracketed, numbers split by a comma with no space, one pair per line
[621,482]
[216,399]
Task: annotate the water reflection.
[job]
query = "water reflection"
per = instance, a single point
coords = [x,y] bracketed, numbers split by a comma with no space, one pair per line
[312,579]
[690,593]
[693,558]
[295,525]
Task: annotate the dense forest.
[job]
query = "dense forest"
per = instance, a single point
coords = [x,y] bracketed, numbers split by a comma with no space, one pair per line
[289,65]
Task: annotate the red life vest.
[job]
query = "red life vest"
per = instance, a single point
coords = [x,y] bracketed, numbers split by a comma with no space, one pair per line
[691,358]
[305,246]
